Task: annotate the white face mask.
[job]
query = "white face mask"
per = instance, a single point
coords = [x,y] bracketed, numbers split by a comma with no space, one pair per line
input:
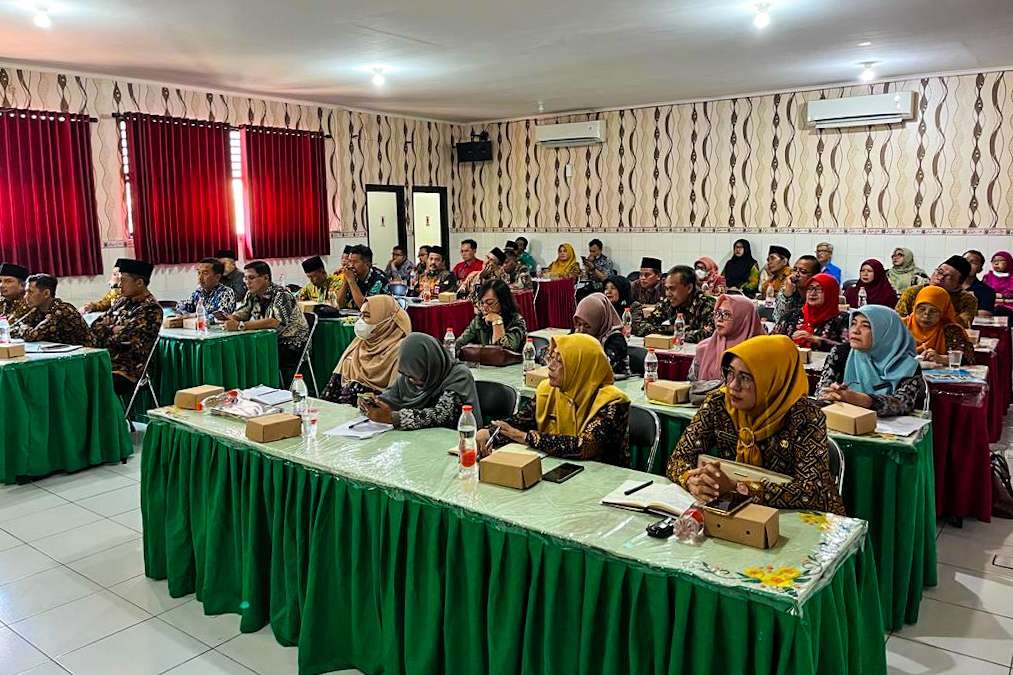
[701,274]
[1001,275]
[362,329]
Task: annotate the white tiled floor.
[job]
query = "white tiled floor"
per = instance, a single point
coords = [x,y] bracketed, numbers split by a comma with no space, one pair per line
[73,596]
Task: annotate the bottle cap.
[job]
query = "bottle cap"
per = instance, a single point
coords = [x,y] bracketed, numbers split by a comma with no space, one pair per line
[298,376]
[531,339]
[466,408]
[650,350]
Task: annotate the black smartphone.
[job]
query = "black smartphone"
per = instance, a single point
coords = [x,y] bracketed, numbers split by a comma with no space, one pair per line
[728,503]
[563,472]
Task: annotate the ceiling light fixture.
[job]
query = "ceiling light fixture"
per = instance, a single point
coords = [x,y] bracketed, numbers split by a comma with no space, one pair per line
[762,18]
[865,43]
[867,74]
[41,18]
[378,79]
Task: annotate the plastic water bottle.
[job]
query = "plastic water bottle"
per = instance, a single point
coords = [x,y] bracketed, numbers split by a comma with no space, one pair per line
[689,526]
[299,394]
[5,329]
[679,329]
[627,322]
[650,366]
[529,355]
[863,297]
[467,448]
[202,317]
[448,343]
[770,296]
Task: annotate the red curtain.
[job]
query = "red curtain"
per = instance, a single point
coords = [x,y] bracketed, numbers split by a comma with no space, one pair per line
[285,193]
[180,187]
[48,221]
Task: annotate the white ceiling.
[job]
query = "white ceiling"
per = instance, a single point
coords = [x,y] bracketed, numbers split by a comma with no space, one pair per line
[459,60]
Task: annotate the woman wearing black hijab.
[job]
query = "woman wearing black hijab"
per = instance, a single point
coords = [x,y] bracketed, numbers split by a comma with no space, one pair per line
[619,292]
[741,270]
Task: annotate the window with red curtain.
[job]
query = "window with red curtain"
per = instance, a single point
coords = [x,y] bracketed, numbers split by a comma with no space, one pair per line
[285,193]
[48,221]
[180,188]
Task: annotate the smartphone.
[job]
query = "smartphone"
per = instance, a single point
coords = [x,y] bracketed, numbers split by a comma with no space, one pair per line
[563,472]
[728,504]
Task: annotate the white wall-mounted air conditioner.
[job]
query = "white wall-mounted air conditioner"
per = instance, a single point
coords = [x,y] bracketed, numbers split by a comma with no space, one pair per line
[576,133]
[860,111]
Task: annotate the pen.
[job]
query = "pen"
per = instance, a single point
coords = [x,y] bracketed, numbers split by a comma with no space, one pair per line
[639,487]
[352,426]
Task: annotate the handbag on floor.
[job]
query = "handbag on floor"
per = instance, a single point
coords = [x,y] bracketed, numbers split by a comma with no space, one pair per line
[1002,489]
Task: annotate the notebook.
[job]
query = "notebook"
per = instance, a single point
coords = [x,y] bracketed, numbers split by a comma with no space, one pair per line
[267,395]
[663,499]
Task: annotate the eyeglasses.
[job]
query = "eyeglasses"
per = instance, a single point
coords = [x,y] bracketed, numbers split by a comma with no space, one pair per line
[927,311]
[745,380]
[722,315]
[824,250]
[814,290]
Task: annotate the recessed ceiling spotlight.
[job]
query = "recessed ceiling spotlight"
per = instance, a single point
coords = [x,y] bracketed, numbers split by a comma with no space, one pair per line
[541,107]
[378,78]
[865,43]
[42,19]
[762,18]
[867,74]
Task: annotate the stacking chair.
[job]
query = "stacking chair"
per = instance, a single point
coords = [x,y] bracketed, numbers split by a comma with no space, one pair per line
[645,434]
[836,464]
[304,358]
[497,400]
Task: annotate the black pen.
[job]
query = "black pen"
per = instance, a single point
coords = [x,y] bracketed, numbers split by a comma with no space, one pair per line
[639,487]
[352,426]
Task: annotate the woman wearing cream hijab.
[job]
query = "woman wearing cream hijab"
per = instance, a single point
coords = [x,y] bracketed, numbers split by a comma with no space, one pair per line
[762,416]
[369,364]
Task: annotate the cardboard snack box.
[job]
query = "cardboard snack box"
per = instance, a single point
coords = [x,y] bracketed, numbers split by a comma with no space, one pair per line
[658,341]
[268,428]
[533,377]
[448,296]
[667,391]
[189,399]
[518,469]
[752,525]
[14,350]
[190,323]
[805,354]
[850,419]
[172,322]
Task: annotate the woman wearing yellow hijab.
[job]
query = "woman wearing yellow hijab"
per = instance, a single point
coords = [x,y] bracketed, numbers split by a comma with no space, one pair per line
[565,266]
[762,416]
[577,413]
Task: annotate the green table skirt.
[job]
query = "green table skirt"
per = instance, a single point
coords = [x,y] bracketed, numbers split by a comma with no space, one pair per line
[330,339]
[387,581]
[59,414]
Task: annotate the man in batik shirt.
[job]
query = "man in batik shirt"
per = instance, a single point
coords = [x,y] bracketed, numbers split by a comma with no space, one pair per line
[362,279]
[682,296]
[50,319]
[437,278]
[322,287]
[12,291]
[112,295]
[217,296]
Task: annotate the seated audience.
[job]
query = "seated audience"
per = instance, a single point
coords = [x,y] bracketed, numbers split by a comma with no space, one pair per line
[619,291]
[647,288]
[322,287]
[682,296]
[217,296]
[878,290]
[497,321]
[935,329]
[271,306]
[111,296]
[741,271]
[565,266]
[516,273]
[1001,281]
[822,324]
[12,291]
[595,316]
[429,391]
[492,268]
[708,277]
[776,271]
[876,368]
[903,273]
[788,301]
[437,279]
[950,276]
[422,264]
[362,279]
[597,268]
[524,257]
[983,293]
[735,321]
[232,276]
[369,364]
[762,416]
[469,262]
[399,267]
[129,329]
[49,319]
[576,414]
[825,255]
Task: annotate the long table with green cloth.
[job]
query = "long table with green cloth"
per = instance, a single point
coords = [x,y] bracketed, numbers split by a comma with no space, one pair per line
[60,413]
[235,360]
[330,339]
[889,481]
[372,554]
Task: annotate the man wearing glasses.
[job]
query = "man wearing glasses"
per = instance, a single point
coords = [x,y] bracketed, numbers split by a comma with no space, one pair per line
[790,299]
[950,276]
[825,255]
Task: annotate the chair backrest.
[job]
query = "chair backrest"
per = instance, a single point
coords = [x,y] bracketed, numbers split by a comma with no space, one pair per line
[848,284]
[167,304]
[295,288]
[401,300]
[498,400]
[645,434]
[926,397]
[633,276]
[541,344]
[637,356]
[836,464]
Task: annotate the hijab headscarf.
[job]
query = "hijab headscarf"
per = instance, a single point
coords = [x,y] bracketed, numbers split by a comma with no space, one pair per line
[713,278]
[737,269]
[598,313]
[423,359]
[745,324]
[1003,285]
[880,369]
[879,291]
[569,268]
[934,338]
[902,276]
[622,285]
[373,362]
[814,317]
[586,388]
[779,380]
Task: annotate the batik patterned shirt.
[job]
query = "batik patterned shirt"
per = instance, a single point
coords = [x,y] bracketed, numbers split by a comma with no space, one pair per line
[60,323]
[313,293]
[277,303]
[698,313]
[129,331]
[13,309]
[221,297]
[644,295]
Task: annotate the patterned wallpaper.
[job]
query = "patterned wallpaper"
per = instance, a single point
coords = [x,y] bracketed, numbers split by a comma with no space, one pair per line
[750,164]
[366,148]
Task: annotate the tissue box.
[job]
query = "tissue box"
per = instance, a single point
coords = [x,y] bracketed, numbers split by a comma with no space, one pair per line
[448,296]
[189,399]
[850,419]
[657,341]
[518,469]
[805,354]
[666,391]
[267,428]
[172,322]
[533,377]
[752,525]
[13,350]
